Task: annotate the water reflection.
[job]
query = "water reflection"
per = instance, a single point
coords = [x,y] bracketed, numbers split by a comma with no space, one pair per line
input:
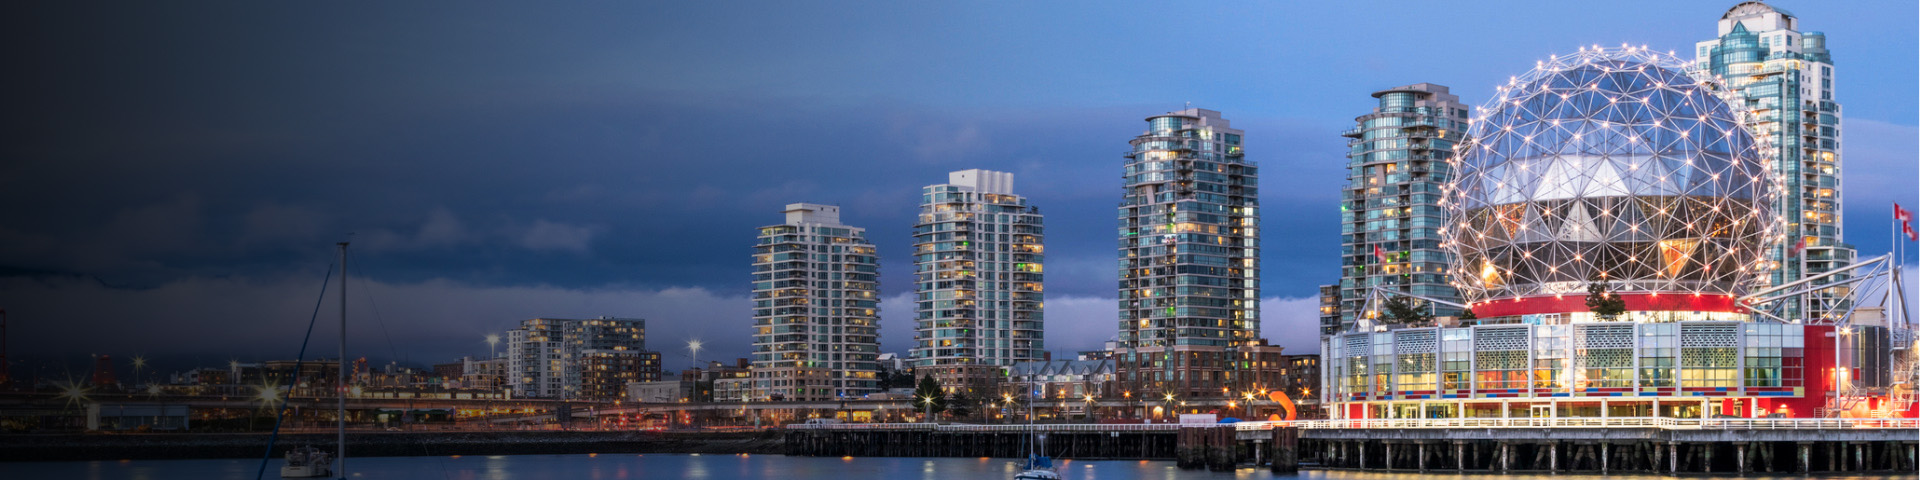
[715,467]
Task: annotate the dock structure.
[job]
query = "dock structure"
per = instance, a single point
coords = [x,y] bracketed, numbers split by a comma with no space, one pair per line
[1494,445]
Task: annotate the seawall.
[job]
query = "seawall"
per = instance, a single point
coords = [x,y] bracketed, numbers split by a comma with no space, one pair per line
[81,447]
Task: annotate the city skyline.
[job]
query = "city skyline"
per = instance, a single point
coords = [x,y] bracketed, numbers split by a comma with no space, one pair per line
[610,212]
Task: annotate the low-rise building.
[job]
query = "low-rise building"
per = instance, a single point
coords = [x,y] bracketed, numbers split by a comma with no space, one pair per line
[663,391]
[1301,382]
[548,357]
[490,374]
[736,389]
[605,373]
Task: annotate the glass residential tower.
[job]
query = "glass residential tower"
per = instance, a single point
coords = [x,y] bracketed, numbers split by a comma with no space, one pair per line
[1390,209]
[1787,79]
[816,308]
[1189,245]
[977,279]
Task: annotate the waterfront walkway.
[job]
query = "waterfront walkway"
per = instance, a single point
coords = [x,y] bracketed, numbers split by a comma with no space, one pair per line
[1602,445]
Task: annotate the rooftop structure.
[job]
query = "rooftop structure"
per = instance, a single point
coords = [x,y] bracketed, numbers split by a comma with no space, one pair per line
[1786,77]
[977,280]
[816,308]
[1398,158]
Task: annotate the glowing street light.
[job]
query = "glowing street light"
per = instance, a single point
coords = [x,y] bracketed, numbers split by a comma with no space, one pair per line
[139,363]
[73,392]
[493,344]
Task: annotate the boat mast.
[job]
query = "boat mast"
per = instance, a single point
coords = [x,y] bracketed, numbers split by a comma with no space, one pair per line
[341,389]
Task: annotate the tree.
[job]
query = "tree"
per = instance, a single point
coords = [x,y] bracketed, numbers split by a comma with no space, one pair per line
[960,405]
[1603,302]
[1402,310]
[898,379]
[1467,314]
[928,397]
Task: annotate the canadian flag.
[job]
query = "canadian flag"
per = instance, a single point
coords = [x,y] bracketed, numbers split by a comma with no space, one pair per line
[1384,258]
[1905,217]
[1798,247]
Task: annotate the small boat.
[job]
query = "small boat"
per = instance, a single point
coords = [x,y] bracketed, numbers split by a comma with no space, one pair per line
[1038,468]
[307,462]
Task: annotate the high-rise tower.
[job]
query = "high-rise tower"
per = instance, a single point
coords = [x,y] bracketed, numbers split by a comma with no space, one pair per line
[1786,77]
[1189,254]
[1390,210]
[977,279]
[816,308]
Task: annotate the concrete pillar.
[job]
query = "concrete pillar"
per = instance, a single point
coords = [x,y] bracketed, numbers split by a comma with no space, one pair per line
[1389,452]
[1913,455]
[1506,456]
[1833,460]
[1804,456]
[1363,454]
[1740,457]
[1653,465]
[1859,456]
[1673,457]
[1553,456]
[1423,457]
[1603,457]
[1706,457]
[1460,456]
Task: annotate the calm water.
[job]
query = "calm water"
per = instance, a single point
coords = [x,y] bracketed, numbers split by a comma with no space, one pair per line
[714,467]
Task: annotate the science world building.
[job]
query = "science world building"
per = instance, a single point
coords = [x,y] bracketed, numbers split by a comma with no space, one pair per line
[1618,167]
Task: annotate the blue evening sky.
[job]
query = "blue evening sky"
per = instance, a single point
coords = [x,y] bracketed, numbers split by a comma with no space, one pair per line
[178,172]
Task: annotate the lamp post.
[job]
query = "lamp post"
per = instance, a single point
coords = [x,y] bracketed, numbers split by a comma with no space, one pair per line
[139,363]
[694,346]
[493,345]
[1089,399]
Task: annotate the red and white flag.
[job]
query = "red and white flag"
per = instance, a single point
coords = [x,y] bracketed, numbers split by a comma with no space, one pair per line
[1797,248]
[1384,258]
[1905,217]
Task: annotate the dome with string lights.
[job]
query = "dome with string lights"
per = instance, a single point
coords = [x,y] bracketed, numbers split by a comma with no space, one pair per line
[1620,165]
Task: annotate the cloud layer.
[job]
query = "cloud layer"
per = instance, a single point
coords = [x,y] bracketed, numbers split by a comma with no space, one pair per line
[169,187]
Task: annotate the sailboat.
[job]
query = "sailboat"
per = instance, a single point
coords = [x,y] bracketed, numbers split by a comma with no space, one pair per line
[1039,467]
[309,462]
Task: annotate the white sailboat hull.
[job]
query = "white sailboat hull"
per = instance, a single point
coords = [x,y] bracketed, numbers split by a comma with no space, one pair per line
[305,471]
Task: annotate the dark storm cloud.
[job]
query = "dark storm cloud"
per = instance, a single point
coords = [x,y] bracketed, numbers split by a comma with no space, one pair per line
[192,164]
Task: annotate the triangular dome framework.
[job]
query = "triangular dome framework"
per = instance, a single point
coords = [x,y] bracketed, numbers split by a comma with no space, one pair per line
[1616,162]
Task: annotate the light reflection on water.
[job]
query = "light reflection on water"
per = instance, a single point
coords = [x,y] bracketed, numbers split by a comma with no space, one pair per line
[710,467]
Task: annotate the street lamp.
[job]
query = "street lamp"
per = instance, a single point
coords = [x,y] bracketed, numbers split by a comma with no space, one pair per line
[139,363]
[493,345]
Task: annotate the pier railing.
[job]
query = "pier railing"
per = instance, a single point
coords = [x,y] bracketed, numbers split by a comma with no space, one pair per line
[1422,423]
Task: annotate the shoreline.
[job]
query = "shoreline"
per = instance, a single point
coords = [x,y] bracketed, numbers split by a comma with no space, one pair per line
[167,446]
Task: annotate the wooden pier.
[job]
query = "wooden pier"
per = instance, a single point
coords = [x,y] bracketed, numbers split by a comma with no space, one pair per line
[1613,445]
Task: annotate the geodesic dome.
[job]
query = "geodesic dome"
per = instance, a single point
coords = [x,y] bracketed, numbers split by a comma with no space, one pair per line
[1618,164]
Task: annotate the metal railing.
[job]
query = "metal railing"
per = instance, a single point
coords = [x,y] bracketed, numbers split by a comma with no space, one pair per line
[1421,423]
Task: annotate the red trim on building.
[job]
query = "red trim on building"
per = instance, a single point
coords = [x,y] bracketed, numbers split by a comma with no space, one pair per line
[1636,301]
